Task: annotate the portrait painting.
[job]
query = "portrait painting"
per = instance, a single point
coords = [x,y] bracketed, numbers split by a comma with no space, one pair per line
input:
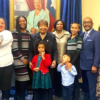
[35,10]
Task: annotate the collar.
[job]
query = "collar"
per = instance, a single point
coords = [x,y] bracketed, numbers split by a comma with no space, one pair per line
[43,36]
[88,32]
[40,11]
[74,37]
[61,34]
[38,34]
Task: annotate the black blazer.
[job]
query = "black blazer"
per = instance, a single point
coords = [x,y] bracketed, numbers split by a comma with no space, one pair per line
[50,39]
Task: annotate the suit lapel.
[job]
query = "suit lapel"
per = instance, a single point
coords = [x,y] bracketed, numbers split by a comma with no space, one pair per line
[88,36]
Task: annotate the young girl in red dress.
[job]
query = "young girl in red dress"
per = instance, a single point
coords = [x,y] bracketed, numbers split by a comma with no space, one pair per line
[41,82]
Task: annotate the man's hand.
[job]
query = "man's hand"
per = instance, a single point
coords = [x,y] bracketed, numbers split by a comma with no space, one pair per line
[53,65]
[94,69]
[25,61]
[36,69]
[30,65]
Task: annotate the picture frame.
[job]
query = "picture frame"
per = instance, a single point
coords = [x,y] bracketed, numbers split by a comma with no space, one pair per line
[12,11]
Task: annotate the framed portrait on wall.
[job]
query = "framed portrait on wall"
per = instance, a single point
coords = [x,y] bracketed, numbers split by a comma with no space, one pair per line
[34,10]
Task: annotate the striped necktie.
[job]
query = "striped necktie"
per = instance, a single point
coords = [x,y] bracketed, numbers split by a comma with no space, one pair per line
[85,36]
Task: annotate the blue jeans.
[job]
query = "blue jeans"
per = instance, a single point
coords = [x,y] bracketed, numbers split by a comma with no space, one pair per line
[67,92]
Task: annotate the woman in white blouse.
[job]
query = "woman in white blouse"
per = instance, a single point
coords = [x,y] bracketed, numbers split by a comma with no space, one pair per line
[6,60]
[61,38]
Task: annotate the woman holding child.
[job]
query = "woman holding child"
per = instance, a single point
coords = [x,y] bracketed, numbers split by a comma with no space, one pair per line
[61,38]
[49,38]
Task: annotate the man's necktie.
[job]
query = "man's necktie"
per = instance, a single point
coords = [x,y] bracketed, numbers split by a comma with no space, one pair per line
[85,36]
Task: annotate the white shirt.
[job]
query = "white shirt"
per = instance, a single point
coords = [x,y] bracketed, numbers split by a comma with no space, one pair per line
[67,77]
[6,57]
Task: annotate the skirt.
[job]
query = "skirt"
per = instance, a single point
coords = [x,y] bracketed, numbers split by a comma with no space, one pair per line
[41,81]
[6,77]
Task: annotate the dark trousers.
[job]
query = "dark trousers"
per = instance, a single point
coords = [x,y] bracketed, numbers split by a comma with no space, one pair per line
[5,94]
[89,84]
[20,88]
[76,92]
[40,94]
[67,92]
[52,75]
[57,84]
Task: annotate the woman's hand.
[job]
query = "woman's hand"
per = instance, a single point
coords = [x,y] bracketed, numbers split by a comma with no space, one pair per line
[25,61]
[53,65]
[36,69]
[30,65]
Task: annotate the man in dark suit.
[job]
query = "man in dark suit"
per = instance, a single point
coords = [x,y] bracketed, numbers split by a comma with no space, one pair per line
[89,59]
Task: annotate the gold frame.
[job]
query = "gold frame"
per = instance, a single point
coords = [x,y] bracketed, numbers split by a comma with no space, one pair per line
[11,15]
[58,6]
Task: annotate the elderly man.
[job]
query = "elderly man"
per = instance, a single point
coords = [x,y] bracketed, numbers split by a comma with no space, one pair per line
[89,59]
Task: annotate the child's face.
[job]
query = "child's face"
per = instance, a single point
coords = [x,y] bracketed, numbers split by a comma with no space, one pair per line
[65,59]
[41,48]
[74,29]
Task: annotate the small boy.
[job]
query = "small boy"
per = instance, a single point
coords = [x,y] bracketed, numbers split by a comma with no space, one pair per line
[68,76]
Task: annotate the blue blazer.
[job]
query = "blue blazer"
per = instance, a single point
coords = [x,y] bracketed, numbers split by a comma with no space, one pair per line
[90,53]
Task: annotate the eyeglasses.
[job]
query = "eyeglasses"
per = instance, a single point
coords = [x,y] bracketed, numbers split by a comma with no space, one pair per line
[87,22]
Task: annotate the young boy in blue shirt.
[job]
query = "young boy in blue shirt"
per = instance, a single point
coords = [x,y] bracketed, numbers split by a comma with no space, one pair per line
[68,76]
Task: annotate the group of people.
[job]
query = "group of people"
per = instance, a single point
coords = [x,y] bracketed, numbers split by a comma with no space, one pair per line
[52,62]
[57,60]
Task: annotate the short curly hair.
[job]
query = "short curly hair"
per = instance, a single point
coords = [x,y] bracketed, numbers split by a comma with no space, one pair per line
[64,26]
[47,48]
